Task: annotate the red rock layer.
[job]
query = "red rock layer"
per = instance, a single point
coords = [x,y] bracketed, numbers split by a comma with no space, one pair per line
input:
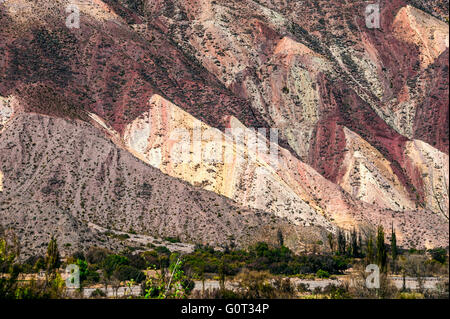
[431,122]
[108,69]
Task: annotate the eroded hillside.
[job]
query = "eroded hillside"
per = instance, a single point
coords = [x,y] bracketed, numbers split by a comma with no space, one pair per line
[59,176]
[87,117]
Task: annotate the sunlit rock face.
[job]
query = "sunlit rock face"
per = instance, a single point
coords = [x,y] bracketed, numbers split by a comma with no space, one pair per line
[431,167]
[368,176]
[423,30]
[231,165]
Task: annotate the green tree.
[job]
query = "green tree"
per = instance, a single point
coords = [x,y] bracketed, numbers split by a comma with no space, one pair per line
[126,273]
[83,266]
[322,274]
[280,238]
[360,243]
[222,273]
[394,250]
[112,262]
[342,243]
[52,259]
[330,241]
[381,250]
[439,254]
[370,250]
[354,241]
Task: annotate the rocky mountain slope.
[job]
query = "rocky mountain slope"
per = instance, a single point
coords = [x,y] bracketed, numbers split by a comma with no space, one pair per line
[62,175]
[362,117]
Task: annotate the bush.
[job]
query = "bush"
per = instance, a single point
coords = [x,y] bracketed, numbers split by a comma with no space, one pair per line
[39,265]
[150,258]
[137,261]
[188,285]
[79,255]
[98,293]
[337,292]
[126,272]
[302,287]
[255,285]
[33,264]
[112,262]
[438,254]
[96,255]
[163,250]
[322,274]
[92,276]
[172,239]
[410,295]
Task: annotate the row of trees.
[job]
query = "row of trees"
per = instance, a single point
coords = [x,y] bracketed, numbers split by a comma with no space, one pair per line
[374,250]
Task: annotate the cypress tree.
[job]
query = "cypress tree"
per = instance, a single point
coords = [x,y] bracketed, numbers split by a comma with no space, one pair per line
[222,273]
[394,250]
[330,241]
[360,243]
[341,242]
[348,240]
[52,260]
[370,250]
[280,238]
[354,240]
[381,250]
